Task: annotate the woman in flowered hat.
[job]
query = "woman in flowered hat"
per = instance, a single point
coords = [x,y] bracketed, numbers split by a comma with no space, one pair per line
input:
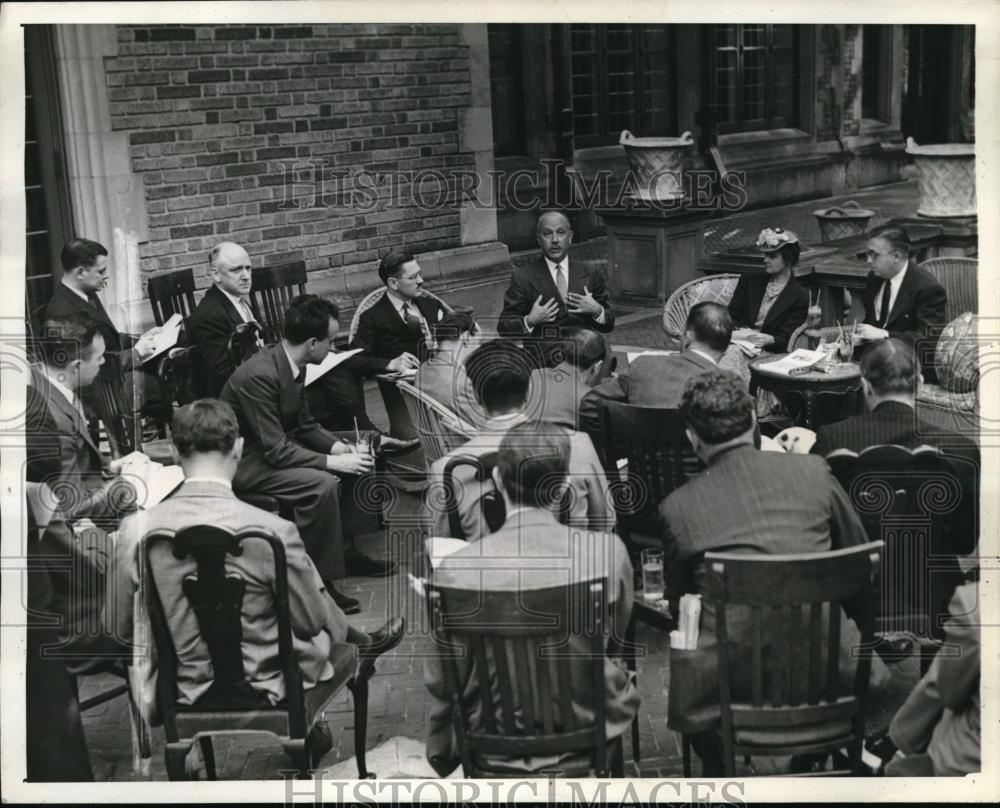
[774,303]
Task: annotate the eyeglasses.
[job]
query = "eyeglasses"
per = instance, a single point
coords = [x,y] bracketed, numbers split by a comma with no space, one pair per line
[871,255]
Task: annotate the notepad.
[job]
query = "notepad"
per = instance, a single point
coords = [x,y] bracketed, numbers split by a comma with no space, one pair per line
[314,372]
[152,481]
[166,337]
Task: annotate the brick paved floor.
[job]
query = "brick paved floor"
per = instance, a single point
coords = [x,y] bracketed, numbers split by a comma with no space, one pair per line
[398,703]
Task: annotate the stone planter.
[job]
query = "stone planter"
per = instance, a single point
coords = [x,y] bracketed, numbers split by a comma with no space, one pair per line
[947,176]
[657,164]
[848,219]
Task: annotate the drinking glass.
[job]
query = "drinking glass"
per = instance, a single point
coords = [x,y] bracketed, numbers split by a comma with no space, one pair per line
[845,349]
[652,574]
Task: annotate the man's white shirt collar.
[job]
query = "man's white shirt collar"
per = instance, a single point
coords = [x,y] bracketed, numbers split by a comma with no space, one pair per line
[215,480]
[398,303]
[238,303]
[552,267]
[288,356]
[75,291]
[702,353]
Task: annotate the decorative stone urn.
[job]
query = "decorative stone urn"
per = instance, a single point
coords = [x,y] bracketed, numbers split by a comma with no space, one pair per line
[657,164]
[947,177]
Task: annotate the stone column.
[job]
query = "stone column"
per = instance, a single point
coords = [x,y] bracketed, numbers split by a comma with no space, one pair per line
[108,200]
[478,221]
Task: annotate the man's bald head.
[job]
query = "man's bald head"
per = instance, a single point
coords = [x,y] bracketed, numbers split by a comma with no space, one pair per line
[554,235]
[709,327]
[230,268]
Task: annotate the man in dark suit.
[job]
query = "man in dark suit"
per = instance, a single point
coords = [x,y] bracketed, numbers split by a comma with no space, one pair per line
[548,294]
[61,451]
[554,393]
[226,305]
[532,551]
[658,381]
[85,273]
[746,501]
[288,455]
[205,434]
[901,299]
[398,325]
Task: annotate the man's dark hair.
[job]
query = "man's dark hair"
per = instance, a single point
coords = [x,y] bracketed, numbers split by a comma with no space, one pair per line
[452,326]
[65,339]
[897,238]
[80,252]
[890,367]
[711,323]
[533,460]
[308,317]
[205,425]
[717,406]
[581,347]
[392,265]
[499,372]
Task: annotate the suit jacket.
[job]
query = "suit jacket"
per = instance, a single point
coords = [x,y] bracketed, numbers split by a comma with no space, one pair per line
[917,316]
[592,507]
[273,412]
[65,302]
[773,503]
[942,713]
[534,279]
[554,396]
[532,551]
[786,314]
[316,620]
[211,325]
[383,335]
[892,422]
[651,381]
[445,380]
[62,453]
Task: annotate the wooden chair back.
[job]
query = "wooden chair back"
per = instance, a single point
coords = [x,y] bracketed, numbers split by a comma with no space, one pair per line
[516,647]
[439,429]
[912,500]
[796,703]
[273,289]
[112,407]
[216,598]
[244,342]
[959,277]
[659,459]
[171,293]
[491,503]
[183,375]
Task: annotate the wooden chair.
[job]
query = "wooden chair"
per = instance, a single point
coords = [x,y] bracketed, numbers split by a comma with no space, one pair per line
[231,704]
[273,289]
[514,645]
[794,607]
[439,429]
[123,430]
[925,508]
[713,288]
[659,457]
[491,502]
[171,293]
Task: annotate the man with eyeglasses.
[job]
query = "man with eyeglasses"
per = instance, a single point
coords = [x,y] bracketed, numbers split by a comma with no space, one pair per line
[549,295]
[902,301]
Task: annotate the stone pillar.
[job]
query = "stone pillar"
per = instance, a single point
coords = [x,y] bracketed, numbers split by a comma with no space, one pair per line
[478,219]
[108,200]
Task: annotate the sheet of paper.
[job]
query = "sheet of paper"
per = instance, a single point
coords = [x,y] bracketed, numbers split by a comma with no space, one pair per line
[633,355]
[745,333]
[440,547]
[153,481]
[331,361]
[166,338]
[801,358]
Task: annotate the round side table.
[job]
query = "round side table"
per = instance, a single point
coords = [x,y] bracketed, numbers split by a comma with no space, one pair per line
[843,380]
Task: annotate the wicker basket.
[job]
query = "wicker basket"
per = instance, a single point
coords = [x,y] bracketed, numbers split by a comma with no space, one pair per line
[947,176]
[657,163]
[849,219]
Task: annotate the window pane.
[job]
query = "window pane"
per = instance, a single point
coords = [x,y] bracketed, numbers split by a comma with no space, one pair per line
[506,89]
[621,67]
[583,67]
[656,73]
[871,46]
[725,82]
[782,89]
[753,84]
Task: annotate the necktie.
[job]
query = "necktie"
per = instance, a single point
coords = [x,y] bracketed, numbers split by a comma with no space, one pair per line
[561,282]
[883,313]
[300,377]
[247,311]
[410,318]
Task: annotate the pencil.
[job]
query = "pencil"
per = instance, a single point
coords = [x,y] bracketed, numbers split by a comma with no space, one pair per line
[357,434]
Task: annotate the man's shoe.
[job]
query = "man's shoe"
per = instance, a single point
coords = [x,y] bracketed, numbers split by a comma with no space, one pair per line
[357,563]
[347,604]
[894,649]
[397,446]
[385,639]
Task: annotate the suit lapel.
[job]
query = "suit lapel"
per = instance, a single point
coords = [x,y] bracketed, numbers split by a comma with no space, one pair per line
[780,305]
[907,291]
[543,282]
[227,305]
[58,400]
[390,317]
[288,390]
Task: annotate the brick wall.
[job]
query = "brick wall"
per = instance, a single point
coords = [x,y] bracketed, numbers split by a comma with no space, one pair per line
[218,116]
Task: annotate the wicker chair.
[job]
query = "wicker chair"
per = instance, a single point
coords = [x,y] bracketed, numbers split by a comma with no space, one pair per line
[958,276]
[374,297]
[713,288]
[440,430]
